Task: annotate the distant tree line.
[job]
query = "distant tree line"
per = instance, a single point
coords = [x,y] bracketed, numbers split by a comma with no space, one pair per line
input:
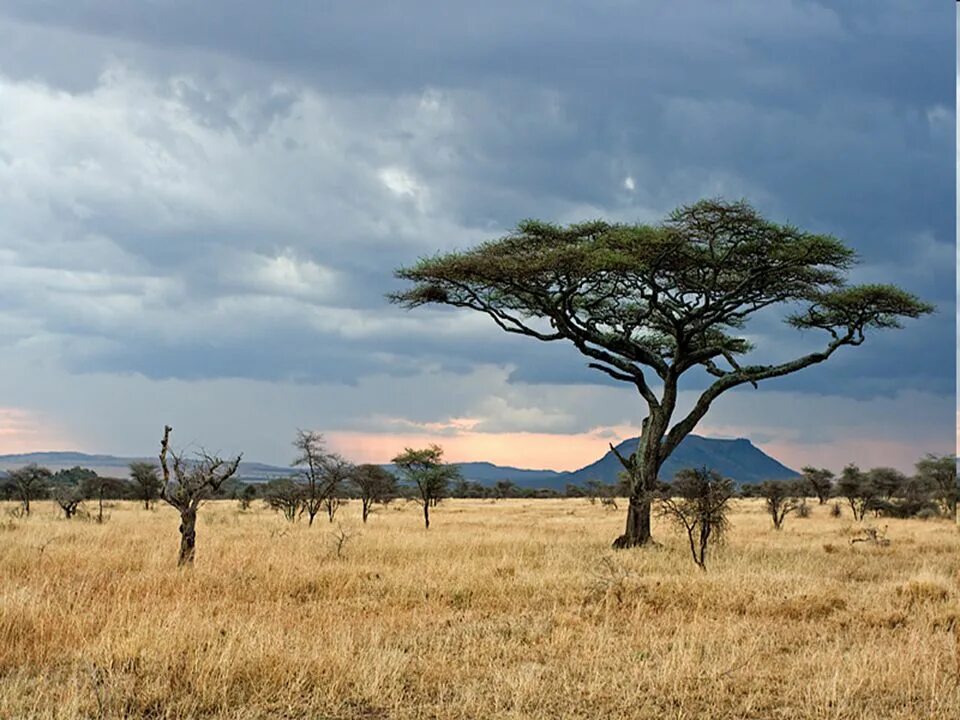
[930,491]
[69,488]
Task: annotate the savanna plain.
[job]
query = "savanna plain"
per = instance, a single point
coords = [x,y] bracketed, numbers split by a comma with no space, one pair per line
[502,609]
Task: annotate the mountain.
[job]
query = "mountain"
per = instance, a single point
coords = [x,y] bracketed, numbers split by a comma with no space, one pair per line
[488,474]
[113,466]
[738,459]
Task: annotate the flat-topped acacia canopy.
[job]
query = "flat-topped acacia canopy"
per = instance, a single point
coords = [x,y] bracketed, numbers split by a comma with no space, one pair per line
[642,300]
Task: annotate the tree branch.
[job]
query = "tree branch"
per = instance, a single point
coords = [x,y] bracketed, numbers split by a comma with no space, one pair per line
[751,374]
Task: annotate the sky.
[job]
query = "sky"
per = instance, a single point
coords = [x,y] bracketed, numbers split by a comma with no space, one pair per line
[203,203]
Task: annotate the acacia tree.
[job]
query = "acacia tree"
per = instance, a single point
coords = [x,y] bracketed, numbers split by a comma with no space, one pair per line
[375,485]
[285,496]
[192,482]
[887,481]
[29,483]
[146,482]
[854,485]
[648,304]
[940,473]
[95,486]
[425,470]
[780,499]
[69,498]
[820,482]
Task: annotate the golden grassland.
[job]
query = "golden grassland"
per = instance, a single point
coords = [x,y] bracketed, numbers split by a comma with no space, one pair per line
[507,609]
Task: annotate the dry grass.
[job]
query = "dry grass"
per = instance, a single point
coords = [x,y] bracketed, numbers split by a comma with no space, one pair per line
[513,609]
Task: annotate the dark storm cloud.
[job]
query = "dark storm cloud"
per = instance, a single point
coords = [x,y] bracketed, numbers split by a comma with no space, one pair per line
[839,119]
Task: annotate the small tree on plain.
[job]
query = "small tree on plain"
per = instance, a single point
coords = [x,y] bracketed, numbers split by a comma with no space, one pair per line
[285,496]
[698,501]
[69,498]
[29,483]
[820,482]
[98,487]
[190,484]
[247,495]
[854,485]
[426,472]
[888,482]
[312,454]
[146,482]
[336,473]
[375,485]
[781,497]
[940,473]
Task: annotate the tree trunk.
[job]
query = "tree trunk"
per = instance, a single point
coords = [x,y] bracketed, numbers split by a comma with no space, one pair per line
[426,514]
[188,536]
[146,503]
[637,531]
[100,514]
[310,517]
[643,468]
[365,510]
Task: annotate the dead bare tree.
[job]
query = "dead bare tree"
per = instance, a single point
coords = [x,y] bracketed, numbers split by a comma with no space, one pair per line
[192,483]
[340,539]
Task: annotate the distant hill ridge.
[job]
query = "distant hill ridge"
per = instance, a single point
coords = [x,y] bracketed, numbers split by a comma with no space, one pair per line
[738,459]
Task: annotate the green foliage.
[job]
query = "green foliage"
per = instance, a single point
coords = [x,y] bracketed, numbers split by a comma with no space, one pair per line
[68,497]
[854,485]
[425,472]
[819,481]
[29,483]
[146,481]
[374,485]
[247,495]
[653,293]
[285,496]
[940,474]
[781,497]
[73,476]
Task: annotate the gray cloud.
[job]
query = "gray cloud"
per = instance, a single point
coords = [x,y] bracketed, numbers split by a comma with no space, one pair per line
[186,199]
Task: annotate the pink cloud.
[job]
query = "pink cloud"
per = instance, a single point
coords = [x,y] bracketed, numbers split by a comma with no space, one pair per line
[23,432]
[544,451]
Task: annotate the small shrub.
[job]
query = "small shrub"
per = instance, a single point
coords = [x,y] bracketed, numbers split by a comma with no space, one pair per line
[803,510]
[836,511]
[698,501]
